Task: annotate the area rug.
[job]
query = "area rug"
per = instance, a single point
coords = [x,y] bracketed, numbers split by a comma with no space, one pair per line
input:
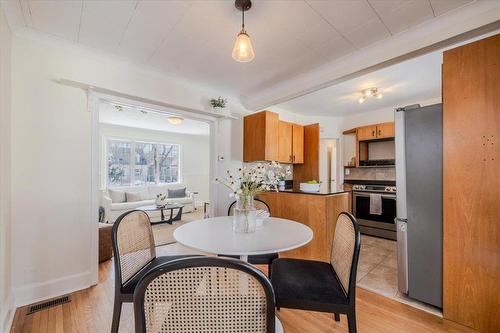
[164,233]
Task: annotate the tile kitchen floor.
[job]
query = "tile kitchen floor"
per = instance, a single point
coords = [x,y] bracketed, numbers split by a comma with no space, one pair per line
[378,271]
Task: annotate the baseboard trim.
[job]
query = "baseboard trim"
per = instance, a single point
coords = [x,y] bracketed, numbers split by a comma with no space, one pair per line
[41,291]
[7,315]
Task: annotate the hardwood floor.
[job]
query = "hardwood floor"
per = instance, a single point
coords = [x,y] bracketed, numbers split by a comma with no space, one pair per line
[91,309]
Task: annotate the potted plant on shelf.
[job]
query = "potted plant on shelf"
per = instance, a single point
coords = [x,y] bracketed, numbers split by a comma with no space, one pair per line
[245,184]
[218,104]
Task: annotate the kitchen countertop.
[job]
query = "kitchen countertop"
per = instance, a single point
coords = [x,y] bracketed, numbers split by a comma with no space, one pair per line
[322,191]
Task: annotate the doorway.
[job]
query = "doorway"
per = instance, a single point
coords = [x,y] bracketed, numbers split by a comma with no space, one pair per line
[140,150]
[329,163]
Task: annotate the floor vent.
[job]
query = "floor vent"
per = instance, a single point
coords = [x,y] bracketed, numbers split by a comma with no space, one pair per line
[48,304]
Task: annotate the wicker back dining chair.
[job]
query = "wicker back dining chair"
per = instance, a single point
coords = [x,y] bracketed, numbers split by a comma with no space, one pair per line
[134,255]
[259,205]
[204,294]
[320,286]
[261,259]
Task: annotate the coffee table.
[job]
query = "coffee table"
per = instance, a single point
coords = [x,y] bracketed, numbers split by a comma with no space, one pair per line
[162,209]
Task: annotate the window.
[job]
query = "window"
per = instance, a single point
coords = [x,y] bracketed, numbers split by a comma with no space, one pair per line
[118,163]
[140,163]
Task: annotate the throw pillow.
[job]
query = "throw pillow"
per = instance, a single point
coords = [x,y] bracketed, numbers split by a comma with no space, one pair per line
[133,196]
[176,193]
[116,196]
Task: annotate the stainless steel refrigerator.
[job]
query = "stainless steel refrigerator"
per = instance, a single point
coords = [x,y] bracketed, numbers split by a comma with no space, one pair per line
[419,205]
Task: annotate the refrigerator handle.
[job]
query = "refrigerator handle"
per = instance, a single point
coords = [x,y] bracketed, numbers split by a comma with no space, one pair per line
[402,245]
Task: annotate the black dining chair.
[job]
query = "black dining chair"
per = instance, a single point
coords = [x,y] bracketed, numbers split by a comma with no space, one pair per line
[134,256]
[320,286]
[204,294]
[261,259]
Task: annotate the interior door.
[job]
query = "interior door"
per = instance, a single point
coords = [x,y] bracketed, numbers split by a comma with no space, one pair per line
[285,154]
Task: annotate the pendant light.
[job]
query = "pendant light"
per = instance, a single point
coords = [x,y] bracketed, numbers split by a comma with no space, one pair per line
[243,50]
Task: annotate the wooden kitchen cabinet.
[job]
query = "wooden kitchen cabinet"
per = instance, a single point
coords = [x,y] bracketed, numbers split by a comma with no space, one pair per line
[366,133]
[285,137]
[297,144]
[260,137]
[291,143]
[373,132]
[385,130]
[318,212]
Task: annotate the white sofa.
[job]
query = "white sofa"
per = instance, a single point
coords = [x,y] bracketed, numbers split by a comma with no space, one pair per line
[146,194]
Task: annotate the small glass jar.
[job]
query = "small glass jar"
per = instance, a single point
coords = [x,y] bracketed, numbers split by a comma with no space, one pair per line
[244,218]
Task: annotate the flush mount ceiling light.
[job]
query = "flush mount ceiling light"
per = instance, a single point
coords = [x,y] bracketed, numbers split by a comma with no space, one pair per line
[370,92]
[243,50]
[175,120]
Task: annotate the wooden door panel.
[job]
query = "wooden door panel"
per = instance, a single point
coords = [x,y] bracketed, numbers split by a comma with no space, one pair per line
[285,152]
[471,157]
[366,133]
[298,143]
[385,130]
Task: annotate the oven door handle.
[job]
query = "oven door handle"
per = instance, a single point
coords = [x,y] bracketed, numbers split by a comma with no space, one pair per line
[385,196]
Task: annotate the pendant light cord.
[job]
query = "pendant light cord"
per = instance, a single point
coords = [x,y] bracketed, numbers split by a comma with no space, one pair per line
[243,23]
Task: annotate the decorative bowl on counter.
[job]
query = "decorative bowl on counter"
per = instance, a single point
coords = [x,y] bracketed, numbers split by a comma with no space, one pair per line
[309,187]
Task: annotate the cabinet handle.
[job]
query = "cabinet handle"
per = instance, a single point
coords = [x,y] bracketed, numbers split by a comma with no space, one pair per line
[379,132]
[291,158]
[373,133]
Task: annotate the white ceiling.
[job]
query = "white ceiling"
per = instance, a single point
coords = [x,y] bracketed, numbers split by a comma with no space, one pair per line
[413,80]
[194,39]
[148,119]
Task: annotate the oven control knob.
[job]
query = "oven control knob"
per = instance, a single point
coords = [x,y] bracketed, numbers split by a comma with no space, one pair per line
[387,189]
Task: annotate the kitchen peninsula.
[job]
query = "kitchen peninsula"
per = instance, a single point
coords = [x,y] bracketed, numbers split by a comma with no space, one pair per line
[318,210]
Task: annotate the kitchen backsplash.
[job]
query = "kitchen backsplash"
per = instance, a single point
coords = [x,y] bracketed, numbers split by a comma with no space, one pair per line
[371,173]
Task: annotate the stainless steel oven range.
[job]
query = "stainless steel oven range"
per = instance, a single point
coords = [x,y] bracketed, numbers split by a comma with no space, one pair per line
[378,223]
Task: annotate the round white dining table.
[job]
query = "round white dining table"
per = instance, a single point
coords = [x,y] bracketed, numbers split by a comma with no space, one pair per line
[216,235]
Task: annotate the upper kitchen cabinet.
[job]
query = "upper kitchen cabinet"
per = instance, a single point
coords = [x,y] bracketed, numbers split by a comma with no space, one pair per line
[260,137]
[374,132]
[266,138]
[385,130]
[297,143]
[285,135]
[366,133]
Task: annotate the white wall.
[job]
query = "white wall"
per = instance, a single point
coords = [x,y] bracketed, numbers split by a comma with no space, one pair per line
[195,153]
[5,170]
[51,156]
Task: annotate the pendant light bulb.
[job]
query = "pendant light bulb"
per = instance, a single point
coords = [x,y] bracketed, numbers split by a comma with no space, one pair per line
[243,49]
